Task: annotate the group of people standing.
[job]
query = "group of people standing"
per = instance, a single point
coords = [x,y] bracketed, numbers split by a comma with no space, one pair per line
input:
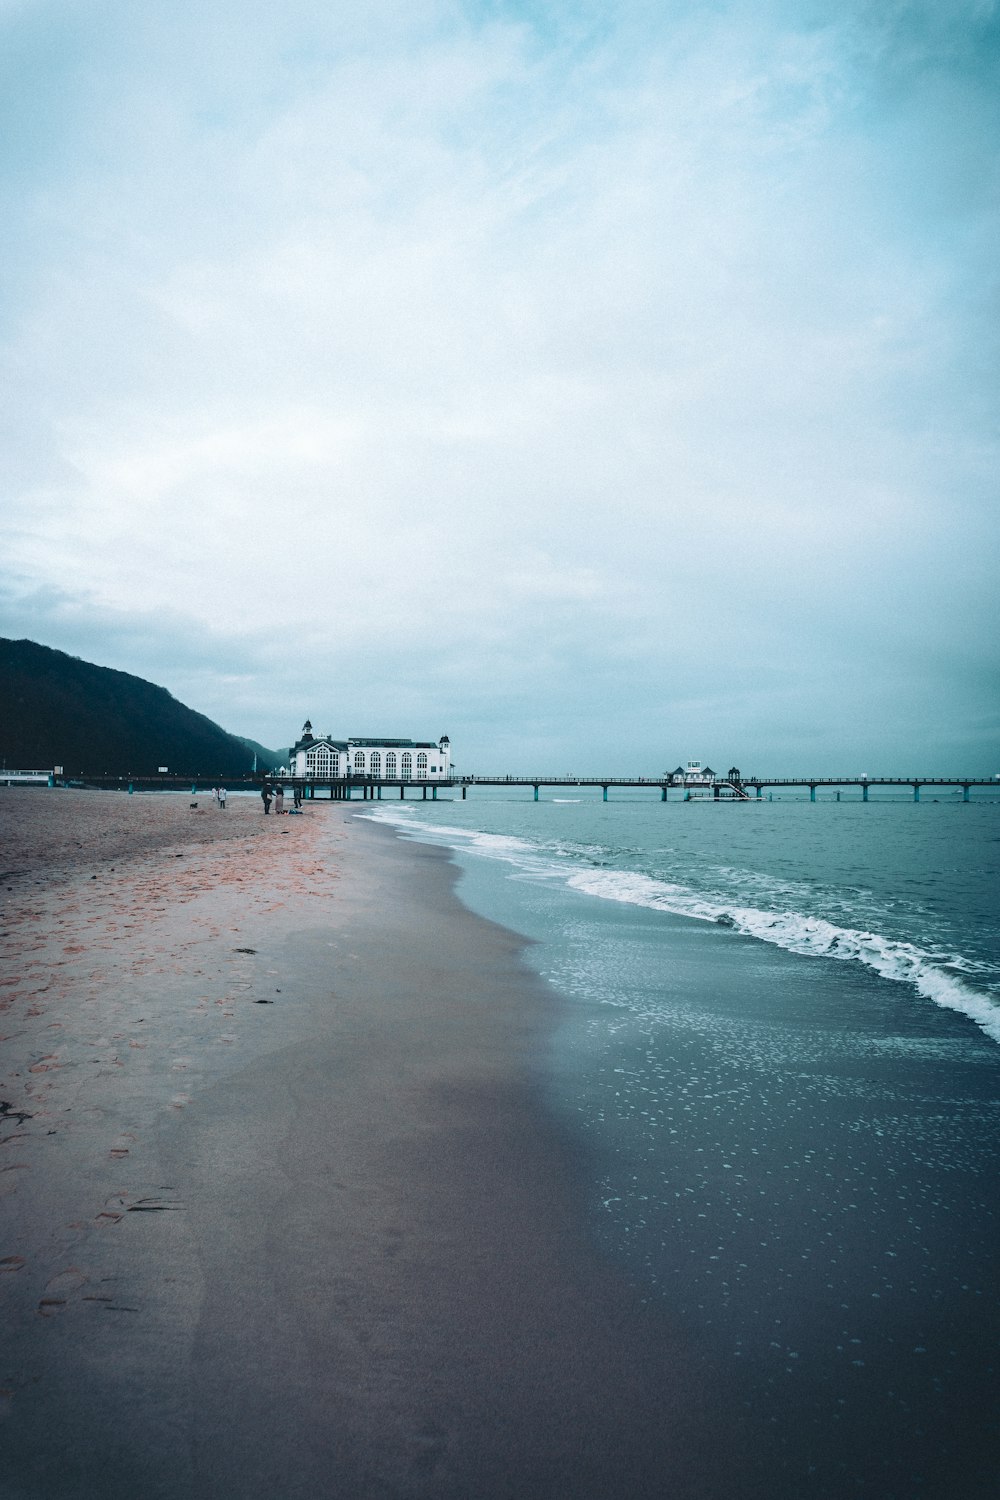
[277,793]
[269,794]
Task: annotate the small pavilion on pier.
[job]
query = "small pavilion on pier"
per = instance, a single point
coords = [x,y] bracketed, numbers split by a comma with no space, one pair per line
[693,774]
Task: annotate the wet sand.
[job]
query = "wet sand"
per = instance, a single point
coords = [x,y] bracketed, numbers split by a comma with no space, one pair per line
[282,1211]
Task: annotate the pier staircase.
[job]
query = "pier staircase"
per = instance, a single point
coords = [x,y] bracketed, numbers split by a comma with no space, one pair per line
[732,788]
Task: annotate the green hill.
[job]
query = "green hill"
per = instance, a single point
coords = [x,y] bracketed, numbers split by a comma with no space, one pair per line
[56,710]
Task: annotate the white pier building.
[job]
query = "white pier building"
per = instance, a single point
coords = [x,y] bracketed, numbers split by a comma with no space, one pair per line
[320,757]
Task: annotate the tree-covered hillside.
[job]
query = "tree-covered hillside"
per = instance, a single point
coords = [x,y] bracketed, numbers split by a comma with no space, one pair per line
[56,710]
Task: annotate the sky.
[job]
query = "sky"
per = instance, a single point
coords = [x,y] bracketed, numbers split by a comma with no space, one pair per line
[600,385]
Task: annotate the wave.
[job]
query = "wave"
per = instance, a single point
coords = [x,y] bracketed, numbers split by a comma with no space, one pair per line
[932,975]
[813,936]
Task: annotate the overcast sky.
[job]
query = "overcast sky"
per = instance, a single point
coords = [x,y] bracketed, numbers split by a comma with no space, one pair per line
[599,384]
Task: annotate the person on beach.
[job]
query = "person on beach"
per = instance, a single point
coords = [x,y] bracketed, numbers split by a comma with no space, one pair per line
[222,798]
[265,793]
[279,799]
[296,795]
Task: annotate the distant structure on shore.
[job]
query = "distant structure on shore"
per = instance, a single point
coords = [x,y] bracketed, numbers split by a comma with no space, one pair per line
[324,758]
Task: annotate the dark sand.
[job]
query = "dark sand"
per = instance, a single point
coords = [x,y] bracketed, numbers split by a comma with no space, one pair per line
[294,1221]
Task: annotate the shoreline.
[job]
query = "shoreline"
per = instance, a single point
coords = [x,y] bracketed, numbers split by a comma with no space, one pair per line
[795,1158]
[311,1229]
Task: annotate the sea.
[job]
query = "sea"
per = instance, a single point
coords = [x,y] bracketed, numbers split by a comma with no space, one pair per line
[777,1049]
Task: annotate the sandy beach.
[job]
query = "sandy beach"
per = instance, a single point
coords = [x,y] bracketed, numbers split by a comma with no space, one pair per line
[281,1209]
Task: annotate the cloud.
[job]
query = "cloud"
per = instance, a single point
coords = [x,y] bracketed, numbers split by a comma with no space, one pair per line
[509,364]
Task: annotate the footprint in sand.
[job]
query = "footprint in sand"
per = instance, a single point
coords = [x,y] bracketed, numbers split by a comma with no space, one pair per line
[122,1144]
[59,1290]
[10,1176]
[114,1210]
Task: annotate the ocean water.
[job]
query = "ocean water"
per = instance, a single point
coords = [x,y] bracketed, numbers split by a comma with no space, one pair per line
[779,1051]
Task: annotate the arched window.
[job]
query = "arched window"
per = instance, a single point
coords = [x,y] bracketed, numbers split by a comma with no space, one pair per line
[390,765]
[421,764]
[375,765]
[359,762]
[407,770]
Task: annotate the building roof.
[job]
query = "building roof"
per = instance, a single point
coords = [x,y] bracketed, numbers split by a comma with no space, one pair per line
[355,742]
[382,744]
[314,743]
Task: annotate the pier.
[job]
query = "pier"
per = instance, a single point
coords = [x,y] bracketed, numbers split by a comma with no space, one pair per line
[917,783]
[729,788]
[734,789]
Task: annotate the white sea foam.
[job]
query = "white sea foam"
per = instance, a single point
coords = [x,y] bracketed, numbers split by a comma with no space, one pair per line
[812,936]
[932,975]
